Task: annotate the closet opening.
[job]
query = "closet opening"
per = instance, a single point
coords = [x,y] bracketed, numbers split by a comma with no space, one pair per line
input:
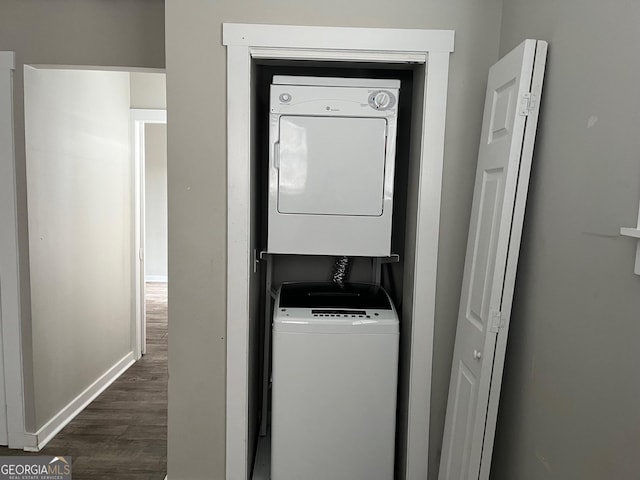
[394,273]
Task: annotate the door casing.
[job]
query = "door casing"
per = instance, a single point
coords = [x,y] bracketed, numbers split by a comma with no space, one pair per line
[139,118]
[249,43]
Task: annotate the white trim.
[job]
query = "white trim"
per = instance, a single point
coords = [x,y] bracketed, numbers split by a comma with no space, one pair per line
[140,117]
[238,260]
[156,278]
[149,115]
[426,266]
[360,56]
[98,68]
[7,61]
[78,404]
[9,266]
[630,232]
[338,38]
[634,233]
[335,44]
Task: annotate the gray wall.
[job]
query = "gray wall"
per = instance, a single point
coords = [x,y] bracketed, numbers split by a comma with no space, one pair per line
[70,32]
[571,389]
[80,216]
[196,100]
[155,258]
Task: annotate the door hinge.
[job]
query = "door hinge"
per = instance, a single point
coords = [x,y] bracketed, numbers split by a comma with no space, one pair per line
[527,104]
[497,322]
[141,254]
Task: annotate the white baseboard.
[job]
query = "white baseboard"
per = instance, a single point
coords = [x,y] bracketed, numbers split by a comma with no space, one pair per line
[73,408]
[29,444]
[156,278]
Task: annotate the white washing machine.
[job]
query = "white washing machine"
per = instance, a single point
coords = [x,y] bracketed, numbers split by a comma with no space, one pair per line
[335,366]
[331,165]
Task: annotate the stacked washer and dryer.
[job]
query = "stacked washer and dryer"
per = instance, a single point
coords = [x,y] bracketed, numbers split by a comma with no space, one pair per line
[335,345]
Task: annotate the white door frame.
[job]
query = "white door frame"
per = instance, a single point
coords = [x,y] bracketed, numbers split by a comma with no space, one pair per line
[248,42]
[139,118]
[10,313]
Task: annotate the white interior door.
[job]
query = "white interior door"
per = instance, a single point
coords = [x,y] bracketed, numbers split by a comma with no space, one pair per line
[504,161]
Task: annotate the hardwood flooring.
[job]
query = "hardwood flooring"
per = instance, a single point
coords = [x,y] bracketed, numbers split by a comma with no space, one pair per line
[122,434]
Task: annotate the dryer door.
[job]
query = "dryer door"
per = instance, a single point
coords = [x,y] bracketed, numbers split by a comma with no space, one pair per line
[331,165]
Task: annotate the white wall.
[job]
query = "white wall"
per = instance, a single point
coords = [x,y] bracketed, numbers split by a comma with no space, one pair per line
[148,90]
[571,389]
[196,101]
[78,181]
[155,259]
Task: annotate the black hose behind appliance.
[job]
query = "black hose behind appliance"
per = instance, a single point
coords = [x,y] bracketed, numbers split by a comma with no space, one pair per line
[341,269]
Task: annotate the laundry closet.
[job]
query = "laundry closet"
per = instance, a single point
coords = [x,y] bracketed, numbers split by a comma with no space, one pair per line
[332,167]
[334,176]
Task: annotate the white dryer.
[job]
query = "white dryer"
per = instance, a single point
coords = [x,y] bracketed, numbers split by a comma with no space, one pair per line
[335,367]
[331,165]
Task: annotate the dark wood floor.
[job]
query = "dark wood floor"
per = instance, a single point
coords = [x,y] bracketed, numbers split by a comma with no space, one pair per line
[122,434]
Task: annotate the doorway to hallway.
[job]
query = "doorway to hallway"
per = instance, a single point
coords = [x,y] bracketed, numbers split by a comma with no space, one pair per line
[84,186]
[123,433]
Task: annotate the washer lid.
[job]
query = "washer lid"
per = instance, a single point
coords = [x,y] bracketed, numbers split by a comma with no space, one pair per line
[358,296]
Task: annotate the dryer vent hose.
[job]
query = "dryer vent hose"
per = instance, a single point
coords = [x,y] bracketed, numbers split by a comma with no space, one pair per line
[340,273]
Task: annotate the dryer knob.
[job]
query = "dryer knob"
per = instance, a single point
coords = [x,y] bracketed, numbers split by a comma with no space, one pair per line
[381,100]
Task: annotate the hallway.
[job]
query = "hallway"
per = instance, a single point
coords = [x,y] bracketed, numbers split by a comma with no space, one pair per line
[123,433]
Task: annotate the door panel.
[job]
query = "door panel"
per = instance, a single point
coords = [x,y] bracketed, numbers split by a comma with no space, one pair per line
[462,420]
[486,235]
[488,251]
[502,102]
